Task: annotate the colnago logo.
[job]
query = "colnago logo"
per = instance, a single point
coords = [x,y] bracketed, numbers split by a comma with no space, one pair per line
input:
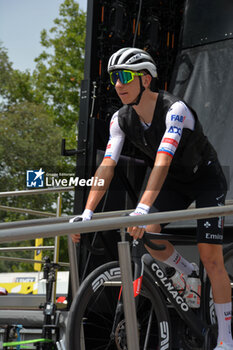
[106,276]
[164,331]
[169,286]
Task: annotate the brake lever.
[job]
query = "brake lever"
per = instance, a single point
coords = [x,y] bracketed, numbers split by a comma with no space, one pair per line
[146,240]
[86,241]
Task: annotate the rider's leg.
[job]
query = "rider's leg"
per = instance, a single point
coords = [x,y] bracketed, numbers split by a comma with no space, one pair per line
[212,192]
[170,256]
[212,258]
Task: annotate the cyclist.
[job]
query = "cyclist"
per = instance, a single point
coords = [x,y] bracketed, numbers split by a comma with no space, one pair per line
[184,168]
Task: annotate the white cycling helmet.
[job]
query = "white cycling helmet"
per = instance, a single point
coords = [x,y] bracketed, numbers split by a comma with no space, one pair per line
[132,59]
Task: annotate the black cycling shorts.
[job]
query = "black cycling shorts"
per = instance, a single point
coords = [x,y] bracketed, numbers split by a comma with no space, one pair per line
[208,189]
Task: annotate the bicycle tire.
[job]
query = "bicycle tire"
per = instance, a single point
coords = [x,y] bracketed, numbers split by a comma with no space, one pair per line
[94,308]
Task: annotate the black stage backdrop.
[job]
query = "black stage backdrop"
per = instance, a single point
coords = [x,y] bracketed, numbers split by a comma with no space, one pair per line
[203,75]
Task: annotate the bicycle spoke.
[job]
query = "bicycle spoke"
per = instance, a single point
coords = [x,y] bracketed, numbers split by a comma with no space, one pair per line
[95,309]
[148,329]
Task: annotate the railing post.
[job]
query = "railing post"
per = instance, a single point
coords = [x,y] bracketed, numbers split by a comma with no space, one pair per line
[57,245]
[74,275]
[128,294]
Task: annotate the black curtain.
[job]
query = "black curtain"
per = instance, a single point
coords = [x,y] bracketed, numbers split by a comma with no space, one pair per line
[203,76]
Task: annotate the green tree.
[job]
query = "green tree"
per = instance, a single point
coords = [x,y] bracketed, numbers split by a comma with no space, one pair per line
[5,72]
[15,86]
[37,110]
[27,133]
[29,140]
[59,69]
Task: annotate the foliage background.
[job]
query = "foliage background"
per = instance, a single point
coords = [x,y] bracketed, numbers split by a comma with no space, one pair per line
[37,110]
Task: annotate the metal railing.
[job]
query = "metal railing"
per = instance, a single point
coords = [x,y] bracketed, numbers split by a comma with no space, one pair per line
[29,261]
[26,211]
[16,249]
[109,223]
[35,191]
[115,222]
[56,245]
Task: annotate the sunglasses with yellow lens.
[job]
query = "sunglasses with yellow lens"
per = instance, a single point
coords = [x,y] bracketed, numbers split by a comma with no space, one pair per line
[125,76]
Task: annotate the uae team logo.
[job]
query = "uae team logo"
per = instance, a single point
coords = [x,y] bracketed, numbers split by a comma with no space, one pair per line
[35,178]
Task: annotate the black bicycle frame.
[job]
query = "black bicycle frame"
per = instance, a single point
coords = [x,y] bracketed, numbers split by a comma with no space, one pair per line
[198,326]
[142,260]
[141,257]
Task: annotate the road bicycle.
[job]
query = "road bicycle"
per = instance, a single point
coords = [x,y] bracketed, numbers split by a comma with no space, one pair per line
[50,330]
[165,321]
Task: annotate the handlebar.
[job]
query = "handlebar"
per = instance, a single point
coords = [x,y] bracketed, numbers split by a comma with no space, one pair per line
[147,237]
[147,241]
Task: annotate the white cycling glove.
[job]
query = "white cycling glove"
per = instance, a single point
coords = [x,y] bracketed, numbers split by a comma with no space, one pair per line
[86,215]
[141,209]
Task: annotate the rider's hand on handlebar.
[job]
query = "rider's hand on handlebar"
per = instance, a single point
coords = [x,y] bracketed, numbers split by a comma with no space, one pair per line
[138,231]
[86,215]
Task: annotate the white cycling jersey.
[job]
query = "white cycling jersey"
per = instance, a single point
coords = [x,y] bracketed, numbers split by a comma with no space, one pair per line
[178,117]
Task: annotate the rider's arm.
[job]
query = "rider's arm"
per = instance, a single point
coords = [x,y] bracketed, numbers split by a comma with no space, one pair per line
[105,171]
[156,179]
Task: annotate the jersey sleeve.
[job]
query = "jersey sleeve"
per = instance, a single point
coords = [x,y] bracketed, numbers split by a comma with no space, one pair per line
[116,140]
[178,117]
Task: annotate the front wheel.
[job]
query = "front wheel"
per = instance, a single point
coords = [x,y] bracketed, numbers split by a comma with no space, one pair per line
[93,311]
